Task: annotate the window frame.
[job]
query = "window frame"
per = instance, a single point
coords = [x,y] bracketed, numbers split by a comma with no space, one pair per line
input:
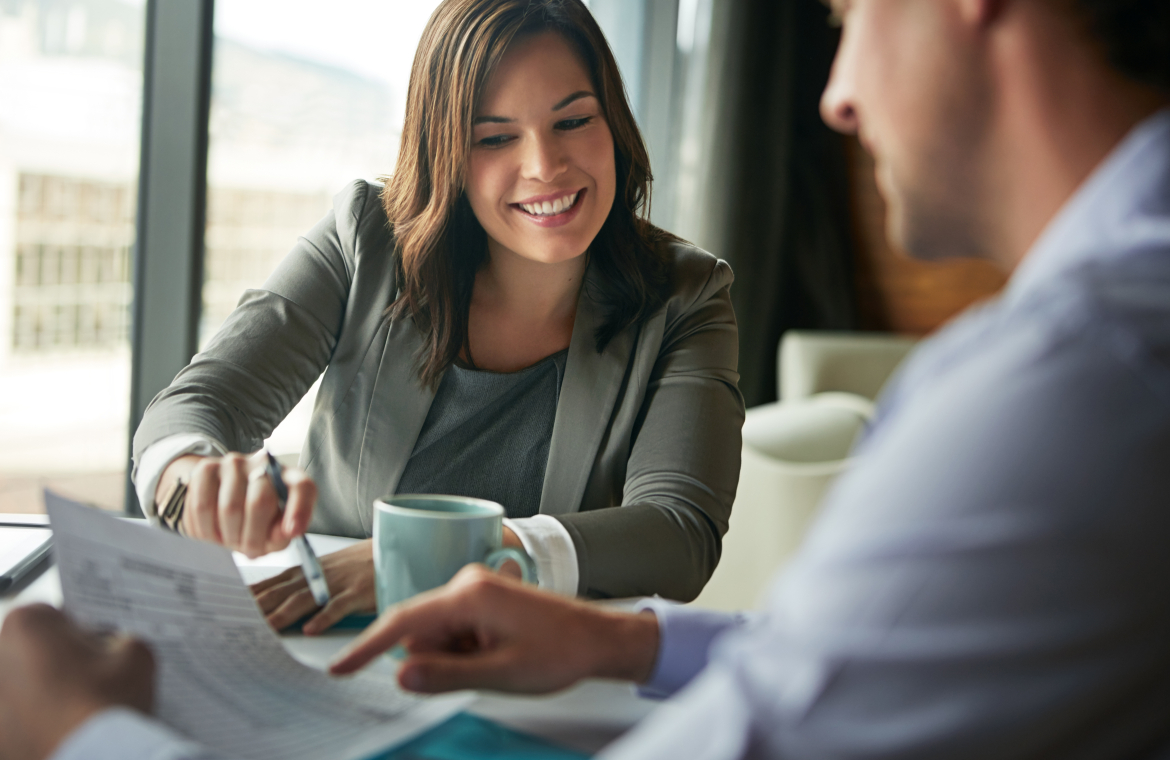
[172,201]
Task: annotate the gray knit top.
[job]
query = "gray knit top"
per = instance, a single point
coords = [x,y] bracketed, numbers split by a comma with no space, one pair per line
[487,435]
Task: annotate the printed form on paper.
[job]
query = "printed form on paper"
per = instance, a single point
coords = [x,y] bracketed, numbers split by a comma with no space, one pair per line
[223,677]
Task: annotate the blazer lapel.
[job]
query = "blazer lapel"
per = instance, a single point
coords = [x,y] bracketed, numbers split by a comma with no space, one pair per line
[588,393]
[398,409]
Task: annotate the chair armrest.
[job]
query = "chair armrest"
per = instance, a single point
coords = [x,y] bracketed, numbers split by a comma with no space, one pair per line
[813,362]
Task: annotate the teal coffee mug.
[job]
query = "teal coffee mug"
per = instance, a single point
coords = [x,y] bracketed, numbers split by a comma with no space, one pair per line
[421,541]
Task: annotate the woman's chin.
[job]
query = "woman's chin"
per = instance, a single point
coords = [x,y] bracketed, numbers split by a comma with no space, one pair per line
[544,247]
[542,255]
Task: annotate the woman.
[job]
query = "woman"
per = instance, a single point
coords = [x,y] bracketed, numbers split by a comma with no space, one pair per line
[499,321]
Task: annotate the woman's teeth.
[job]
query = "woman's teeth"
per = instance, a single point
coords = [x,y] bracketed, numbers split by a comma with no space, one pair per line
[550,208]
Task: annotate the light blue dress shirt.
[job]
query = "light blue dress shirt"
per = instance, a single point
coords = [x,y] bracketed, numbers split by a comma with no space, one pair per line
[992,578]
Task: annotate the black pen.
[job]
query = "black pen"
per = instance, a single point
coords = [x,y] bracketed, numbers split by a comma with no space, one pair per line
[309,564]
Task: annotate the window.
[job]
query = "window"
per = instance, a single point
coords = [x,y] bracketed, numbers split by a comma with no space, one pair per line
[70,93]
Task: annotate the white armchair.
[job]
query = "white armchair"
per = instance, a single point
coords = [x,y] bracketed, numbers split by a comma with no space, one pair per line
[794,449]
[817,362]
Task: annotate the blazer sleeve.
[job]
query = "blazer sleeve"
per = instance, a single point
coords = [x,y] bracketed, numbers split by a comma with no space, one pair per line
[684,462]
[273,346]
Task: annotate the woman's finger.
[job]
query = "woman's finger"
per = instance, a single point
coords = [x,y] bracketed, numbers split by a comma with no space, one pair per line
[292,609]
[302,497]
[288,575]
[260,512]
[331,614]
[259,493]
[200,514]
[274,596]
[233,486]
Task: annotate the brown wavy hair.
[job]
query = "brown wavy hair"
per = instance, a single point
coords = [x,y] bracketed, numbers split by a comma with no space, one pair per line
[438,242]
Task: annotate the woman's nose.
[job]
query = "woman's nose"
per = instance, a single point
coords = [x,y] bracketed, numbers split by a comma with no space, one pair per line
[543,159]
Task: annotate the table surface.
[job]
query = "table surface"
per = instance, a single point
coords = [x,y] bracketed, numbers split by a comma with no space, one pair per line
[586,717]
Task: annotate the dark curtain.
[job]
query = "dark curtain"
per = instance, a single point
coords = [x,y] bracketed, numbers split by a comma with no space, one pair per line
[788,230]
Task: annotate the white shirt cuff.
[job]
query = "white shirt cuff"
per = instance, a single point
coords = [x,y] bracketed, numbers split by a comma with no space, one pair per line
[160,454]
[119,733]
[551,548]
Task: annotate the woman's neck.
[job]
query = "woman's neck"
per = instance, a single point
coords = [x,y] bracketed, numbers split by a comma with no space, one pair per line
[532,291]
[521,310]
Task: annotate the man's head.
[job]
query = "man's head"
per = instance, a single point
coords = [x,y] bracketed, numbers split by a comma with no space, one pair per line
[983,116]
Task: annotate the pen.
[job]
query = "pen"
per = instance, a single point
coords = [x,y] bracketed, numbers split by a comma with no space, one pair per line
[309,564]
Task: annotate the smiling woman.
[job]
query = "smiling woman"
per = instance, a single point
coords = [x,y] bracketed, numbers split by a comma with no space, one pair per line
[543,117]
[499,321]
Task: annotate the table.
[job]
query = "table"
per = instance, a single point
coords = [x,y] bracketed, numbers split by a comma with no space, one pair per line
[586,717]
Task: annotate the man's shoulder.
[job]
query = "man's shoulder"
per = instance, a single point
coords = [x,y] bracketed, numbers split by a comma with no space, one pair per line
[1109,317]
[1121,303]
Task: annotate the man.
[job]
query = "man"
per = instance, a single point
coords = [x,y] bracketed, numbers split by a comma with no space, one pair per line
[991,579]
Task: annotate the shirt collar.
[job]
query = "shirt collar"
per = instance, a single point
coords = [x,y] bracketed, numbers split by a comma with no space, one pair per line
[1105,216]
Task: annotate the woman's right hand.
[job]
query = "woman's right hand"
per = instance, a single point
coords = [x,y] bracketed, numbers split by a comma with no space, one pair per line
[230,501]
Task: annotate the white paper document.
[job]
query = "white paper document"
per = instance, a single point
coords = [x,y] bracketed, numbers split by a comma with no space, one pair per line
[223,677]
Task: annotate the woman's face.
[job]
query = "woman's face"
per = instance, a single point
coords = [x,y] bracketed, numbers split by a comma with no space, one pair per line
[541,173]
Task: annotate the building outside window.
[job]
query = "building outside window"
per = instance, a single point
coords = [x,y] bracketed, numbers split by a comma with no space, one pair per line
[70,112]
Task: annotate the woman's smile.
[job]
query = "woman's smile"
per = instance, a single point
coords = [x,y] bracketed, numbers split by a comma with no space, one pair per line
[551,210]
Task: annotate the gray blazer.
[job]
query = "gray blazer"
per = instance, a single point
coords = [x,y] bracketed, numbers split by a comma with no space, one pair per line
[650,426]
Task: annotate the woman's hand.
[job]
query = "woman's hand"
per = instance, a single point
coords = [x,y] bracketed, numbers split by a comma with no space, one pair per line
[230,501]
[286,598]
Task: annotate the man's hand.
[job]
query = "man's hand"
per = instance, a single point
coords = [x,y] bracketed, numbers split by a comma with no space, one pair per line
[286,598]
[486,631]
[230,501]
[55,676]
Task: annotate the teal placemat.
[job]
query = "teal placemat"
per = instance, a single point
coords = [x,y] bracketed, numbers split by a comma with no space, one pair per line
[355,622]
[468,737]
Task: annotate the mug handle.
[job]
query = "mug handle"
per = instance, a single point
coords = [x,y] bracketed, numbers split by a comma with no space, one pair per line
[496,560]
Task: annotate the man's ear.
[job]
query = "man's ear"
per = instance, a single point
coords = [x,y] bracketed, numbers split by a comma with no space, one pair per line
[982,12]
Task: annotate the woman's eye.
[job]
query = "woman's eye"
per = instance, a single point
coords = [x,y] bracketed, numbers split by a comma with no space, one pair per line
[495,141]
[571,124]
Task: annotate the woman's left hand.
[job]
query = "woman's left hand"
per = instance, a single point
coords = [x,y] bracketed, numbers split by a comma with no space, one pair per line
[286,598]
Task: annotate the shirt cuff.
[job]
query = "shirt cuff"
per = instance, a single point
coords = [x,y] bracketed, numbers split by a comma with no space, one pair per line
[120,733]
[684,639]
[159,455]
[551,548]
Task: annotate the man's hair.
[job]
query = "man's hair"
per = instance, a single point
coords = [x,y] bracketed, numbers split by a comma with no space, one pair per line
[1135,35]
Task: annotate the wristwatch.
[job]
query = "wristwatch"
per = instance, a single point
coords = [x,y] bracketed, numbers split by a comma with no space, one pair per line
[170,509]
